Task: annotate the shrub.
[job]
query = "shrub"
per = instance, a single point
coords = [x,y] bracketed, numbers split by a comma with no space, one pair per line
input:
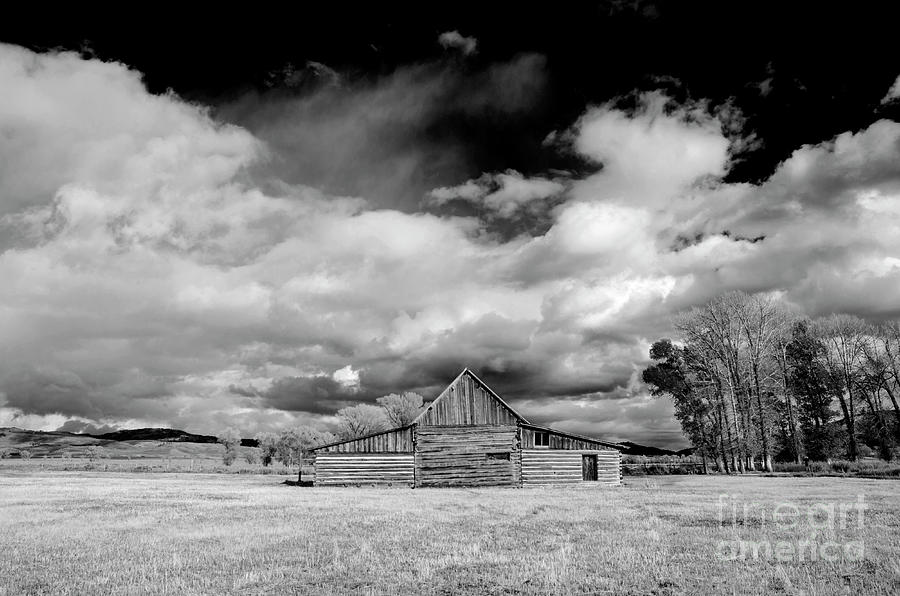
[872,467]
[268,447]
[841,466]
[864,450]
[95,452]
[231,438]
[790,467]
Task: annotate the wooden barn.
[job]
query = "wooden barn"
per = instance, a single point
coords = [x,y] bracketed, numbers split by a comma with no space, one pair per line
[468,436]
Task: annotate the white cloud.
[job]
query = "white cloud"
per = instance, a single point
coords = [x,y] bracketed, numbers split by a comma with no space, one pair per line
[893,93]
[503,194]
[651,154]
[454,39]
[347,377]
[147,278]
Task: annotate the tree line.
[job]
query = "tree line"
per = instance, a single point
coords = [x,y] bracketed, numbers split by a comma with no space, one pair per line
[291,446]
[753,382]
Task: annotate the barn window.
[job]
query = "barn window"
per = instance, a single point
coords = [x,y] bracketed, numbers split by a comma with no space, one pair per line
[503,455]
[541,439]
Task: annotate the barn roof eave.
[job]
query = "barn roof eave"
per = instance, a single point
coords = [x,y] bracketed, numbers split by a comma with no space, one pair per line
[368,436]
[574,436]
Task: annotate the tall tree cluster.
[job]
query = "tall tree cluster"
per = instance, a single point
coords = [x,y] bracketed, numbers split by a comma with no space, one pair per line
[752,382]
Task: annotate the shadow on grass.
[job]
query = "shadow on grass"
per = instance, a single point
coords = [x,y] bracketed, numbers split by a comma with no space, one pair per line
[296,483]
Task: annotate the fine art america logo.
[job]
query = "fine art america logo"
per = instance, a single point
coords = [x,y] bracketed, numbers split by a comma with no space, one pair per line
[792,532]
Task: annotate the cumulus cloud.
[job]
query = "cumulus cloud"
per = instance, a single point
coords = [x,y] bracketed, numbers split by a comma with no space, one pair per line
[502,194]
[893,93]
[454,39]
[153,276]
[651,153]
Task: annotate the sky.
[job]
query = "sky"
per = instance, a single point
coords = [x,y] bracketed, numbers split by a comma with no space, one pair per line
[253,221]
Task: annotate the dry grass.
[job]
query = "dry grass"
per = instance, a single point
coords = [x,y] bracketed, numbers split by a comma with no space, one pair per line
[98,533]
[863,468]
[203,465]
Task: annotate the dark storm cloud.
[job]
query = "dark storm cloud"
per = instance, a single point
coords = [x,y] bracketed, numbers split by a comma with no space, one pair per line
[390,139]
[44,391]
[317,395]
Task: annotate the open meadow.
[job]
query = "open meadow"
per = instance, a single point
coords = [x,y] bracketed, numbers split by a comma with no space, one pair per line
[98,533]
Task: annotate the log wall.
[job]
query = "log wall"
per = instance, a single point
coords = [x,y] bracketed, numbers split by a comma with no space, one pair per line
[467,401]
[549,466]
[359,468]
[486,455]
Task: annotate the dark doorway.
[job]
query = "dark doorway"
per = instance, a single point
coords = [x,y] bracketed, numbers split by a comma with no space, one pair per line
[589,467]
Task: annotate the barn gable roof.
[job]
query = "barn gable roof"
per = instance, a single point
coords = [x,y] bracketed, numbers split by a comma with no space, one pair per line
[490,392]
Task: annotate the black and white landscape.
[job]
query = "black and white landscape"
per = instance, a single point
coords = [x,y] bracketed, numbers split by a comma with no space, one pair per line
[639,261]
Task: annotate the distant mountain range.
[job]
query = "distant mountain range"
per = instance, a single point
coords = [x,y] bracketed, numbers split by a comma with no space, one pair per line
[130,441]
[155,434]
[636,449]
[164,434]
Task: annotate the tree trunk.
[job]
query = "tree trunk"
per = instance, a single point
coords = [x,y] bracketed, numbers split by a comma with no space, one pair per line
[792,423]
[763,431]
[737,459]
[874,403]
[724,453]
[849,424]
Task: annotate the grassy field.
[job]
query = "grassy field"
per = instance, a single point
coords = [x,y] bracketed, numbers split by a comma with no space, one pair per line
[99,533]
[207,465]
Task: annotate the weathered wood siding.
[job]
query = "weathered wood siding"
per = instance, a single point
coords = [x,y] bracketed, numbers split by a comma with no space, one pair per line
[486,455]
[549,466]
[364,468]
[467,401]
[559,441]
[391,441]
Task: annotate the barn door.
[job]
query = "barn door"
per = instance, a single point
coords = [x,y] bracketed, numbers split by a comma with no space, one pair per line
[589,467]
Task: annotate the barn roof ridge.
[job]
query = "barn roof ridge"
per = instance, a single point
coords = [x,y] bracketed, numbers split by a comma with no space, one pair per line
[493,393]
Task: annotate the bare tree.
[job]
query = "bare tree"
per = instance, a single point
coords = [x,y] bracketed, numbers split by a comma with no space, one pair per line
[714,333]
[783,362]
[761,322]
[844,337]
[293,446]
[401,409]
[361,420]
[887,341]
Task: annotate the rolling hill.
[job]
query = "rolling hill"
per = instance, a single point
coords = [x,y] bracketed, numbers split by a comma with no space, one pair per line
[142,444]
